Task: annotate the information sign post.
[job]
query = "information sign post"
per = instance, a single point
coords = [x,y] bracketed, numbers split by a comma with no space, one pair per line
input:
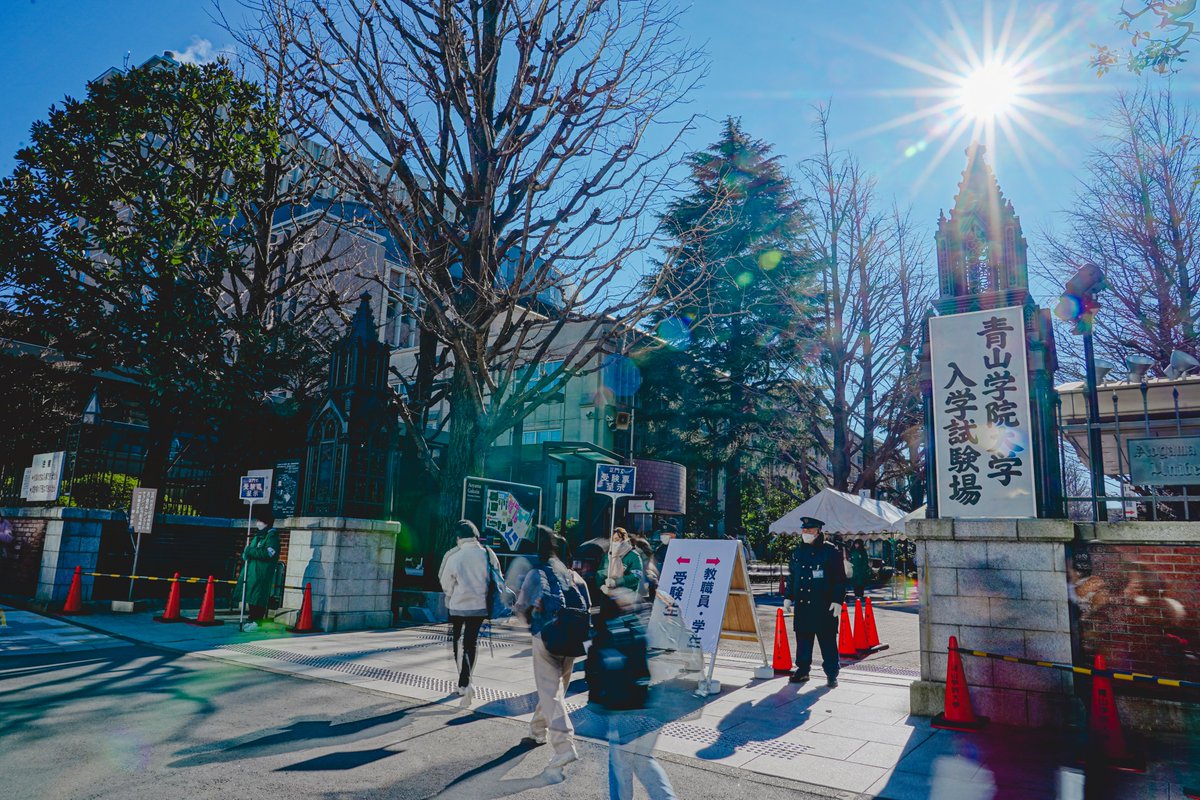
[254,487]
[141,520]
[615,480]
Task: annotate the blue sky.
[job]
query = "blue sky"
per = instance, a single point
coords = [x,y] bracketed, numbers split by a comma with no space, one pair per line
[771,60]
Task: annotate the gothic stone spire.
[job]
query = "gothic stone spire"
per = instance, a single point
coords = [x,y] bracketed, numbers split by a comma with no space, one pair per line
[981,250]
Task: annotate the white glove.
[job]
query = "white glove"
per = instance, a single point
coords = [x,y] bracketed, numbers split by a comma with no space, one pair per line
[835,609]
[787,605]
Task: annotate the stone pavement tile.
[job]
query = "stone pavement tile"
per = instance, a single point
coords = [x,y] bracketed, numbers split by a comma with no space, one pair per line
[821,771]
[906,736]
[716,752]
[886,702]
[876,754]
[817,744]
[831,708]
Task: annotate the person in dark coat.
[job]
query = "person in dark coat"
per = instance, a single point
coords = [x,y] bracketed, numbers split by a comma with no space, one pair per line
[261,556]
[860,568]
[816,588]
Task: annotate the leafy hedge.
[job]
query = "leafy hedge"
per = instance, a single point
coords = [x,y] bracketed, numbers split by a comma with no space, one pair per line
[113,491]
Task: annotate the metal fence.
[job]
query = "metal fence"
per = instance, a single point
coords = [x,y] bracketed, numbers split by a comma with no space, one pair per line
[1154,412]
[104,463]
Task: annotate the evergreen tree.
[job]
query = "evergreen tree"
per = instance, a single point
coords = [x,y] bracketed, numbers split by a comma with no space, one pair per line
[725,385]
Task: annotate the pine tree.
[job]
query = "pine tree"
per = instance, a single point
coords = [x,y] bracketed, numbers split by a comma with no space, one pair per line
[725,386]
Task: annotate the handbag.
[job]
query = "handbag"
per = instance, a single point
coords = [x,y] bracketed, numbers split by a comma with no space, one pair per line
[500,598]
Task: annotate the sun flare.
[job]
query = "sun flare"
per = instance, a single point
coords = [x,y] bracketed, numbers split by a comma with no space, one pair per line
[990,92]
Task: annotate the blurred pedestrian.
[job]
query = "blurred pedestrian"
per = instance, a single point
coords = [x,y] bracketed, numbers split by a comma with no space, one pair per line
[554,599]
[618,676]
[860,569]
[6,547]
[816,587]
[523,560]
[649,579]
[660,554]
[261,558]
[466,575]
[622,566]
[588,558]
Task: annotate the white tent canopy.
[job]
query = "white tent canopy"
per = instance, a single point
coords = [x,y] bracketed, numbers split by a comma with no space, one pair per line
[843,514]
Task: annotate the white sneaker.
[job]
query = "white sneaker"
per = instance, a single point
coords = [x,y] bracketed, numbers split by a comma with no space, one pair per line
[250,626]
[537,740]
[461,690]
[562,759]
[468,694]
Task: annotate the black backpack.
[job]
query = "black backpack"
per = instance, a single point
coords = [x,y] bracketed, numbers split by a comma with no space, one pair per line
[617,668]
[567,625]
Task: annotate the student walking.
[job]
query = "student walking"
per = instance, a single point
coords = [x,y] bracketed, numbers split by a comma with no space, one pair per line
[555,601]
[466,576]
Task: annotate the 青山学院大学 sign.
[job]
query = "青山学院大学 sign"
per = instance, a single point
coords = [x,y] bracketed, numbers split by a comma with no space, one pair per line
[981,418]
[1166,461]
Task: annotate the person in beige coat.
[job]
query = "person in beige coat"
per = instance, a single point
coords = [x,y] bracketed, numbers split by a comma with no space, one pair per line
[464,576]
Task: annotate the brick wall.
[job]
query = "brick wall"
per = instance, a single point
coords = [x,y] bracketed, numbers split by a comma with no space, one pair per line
[24,557]
[1138,605]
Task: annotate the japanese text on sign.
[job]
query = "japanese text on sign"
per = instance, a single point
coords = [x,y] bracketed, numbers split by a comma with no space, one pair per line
[45,477]
[614,479]
[981,415]
[695,578]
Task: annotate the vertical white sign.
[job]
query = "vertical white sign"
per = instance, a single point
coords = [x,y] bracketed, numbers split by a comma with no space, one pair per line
[695,579]
[45,477]
[982,430]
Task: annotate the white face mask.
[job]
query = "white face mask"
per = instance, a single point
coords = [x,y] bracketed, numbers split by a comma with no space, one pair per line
[809,538]
[262,526]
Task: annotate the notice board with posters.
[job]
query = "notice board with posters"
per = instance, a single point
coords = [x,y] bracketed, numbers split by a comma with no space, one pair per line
[704,591]
[510,510]
[981,415]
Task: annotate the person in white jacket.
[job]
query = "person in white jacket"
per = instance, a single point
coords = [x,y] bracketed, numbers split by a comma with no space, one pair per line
[464,578]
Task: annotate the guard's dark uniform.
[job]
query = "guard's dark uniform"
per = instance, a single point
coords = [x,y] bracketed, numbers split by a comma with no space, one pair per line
[816,579]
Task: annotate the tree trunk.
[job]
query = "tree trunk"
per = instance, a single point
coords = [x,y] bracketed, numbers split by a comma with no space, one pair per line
[465,449]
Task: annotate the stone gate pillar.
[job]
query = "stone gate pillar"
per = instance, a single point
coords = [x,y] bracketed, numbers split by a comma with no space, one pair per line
[998,586]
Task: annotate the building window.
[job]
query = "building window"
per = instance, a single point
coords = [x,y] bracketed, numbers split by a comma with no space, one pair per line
[403,305]
[537,437]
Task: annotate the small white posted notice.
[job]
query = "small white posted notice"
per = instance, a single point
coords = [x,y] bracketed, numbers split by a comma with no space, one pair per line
[695,579]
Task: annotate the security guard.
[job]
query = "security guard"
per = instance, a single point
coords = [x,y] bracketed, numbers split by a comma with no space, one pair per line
[817,587]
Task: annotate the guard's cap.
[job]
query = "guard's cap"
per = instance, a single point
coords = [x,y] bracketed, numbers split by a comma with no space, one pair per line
[811,522]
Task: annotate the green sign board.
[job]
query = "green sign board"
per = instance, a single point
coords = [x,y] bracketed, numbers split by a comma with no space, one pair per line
[1166,461]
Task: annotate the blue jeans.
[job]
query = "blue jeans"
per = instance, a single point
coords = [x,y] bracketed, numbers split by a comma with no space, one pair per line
[631,752]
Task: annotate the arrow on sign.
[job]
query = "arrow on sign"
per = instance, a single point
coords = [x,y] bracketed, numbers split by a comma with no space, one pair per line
[682,560]
[712,561]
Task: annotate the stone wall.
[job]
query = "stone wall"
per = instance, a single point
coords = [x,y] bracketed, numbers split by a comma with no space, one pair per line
[349,563]
[999,586]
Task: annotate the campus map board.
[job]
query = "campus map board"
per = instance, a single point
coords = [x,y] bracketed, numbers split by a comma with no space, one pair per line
[704,595]
[510,510]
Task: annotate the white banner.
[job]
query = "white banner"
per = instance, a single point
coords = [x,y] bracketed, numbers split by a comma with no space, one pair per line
[981,415]
[695,578]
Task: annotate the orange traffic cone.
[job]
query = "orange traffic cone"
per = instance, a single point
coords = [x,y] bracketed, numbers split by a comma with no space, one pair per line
[860,628]
[1106,742]
[304,622]
[958,714]
[74,604]
[782,661]
[207,618]
[846,636]
[171,614]
[872,633]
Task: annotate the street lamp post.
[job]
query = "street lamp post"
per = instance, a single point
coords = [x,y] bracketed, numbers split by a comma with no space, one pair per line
[1078,305]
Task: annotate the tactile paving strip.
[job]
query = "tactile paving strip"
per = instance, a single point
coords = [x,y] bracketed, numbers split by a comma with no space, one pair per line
[511,703]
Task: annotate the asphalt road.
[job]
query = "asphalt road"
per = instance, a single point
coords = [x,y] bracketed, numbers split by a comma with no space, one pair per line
[135,722]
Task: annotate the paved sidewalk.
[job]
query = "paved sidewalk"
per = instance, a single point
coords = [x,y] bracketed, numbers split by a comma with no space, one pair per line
[855,740]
